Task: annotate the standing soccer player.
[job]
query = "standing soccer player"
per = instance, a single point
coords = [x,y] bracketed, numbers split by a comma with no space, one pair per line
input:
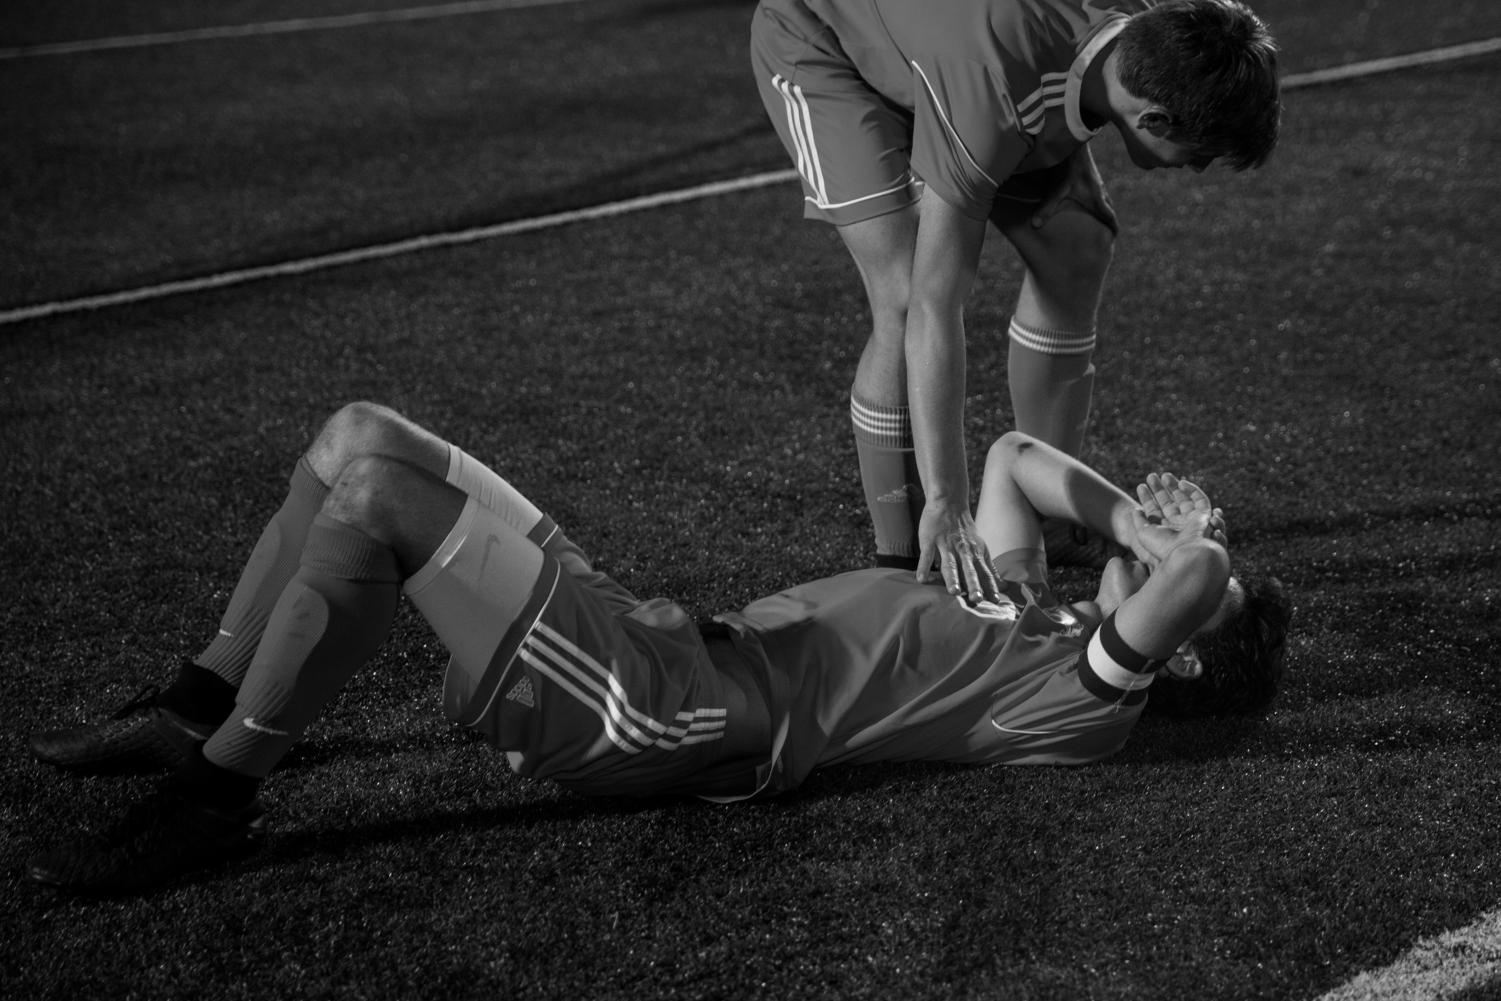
[913,124]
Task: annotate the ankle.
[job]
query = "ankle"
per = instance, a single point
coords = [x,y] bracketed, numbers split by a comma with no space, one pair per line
[198,697]
[204,783]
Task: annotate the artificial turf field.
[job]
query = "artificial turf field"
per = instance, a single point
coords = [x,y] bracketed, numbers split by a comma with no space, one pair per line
[1315,343]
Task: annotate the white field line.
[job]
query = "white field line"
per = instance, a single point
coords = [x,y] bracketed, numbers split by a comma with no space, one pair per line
[385,250]
[286,27]
[1409,61]
[1445,966]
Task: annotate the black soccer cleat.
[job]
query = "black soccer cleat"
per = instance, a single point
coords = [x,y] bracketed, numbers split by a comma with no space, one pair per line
[159,842]
[1071,545]
[140,738]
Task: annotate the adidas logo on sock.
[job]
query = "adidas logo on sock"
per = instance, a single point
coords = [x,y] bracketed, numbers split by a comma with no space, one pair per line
[900,494]
[522,693]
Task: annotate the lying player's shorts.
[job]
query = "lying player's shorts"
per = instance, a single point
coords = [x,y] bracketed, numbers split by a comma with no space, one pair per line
[576,679]
[851,145]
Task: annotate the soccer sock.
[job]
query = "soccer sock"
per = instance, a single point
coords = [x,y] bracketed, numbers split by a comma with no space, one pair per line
[212,786]
[271,565]
[1051,383]
[888,472]
[198,699]
[331,617]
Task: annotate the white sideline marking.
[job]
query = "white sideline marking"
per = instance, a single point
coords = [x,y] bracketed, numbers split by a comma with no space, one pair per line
[1434,969]
[385,250]
[286,27]
[1409,61]
[303,265]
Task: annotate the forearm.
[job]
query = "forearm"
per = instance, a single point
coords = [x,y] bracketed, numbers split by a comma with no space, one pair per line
[1057,485]
[1179,597]
[935,392]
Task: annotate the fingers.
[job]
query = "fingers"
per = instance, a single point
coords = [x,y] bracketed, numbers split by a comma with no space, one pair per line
[964,564]
[925,562]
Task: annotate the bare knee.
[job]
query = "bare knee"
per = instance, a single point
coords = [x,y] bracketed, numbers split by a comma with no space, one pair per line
[1071,253]
[882,249]
[397,503]
[355,430]
[360,493]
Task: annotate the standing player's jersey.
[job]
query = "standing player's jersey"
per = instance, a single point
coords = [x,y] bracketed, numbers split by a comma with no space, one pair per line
[872,666]
[993,85]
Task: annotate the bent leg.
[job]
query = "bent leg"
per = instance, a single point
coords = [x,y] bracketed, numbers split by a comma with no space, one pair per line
[356,429]
[383,518]
[1050,369]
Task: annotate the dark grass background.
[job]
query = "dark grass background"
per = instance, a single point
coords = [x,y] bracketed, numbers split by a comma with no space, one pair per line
[1315,342]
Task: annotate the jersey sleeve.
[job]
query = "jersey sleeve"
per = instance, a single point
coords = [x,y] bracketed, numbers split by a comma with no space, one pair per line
[966,140]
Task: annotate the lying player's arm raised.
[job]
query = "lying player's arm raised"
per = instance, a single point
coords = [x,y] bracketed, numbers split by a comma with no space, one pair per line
[1026,479]
[1187,582]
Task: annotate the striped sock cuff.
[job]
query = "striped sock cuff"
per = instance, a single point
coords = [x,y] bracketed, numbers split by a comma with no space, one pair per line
[888,427]
[1111,670]
[1052,342]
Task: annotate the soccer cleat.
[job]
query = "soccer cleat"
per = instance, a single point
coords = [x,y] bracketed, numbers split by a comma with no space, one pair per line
[138,739]
[158,842]
[1071,545]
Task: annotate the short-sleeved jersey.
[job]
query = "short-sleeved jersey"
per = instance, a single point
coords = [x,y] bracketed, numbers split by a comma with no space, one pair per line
[872,666]
[993,85]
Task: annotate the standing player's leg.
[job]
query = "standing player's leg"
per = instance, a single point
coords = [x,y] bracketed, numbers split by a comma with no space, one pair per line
[1050,368]
[1052,334]
[849,147]
[882,249]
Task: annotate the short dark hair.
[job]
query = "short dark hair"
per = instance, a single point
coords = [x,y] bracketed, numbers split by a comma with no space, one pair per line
[1243,660]
[1212,65]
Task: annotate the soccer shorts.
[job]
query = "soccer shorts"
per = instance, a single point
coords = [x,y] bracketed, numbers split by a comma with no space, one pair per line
[575,678]
[850,144]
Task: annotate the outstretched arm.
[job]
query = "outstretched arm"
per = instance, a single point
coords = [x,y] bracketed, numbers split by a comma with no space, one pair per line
[945,259]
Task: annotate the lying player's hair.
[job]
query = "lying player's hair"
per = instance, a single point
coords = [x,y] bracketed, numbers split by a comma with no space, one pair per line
[1242,660]
[1212,65]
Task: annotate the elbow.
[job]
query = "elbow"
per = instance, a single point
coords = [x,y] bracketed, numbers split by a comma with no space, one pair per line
[1010,445]
[1007,450]
[1201,569]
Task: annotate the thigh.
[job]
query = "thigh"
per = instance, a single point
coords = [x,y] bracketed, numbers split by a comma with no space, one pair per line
[850,144]
[1066,259]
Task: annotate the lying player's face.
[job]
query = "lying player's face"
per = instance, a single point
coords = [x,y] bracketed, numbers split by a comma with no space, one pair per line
[1120,579]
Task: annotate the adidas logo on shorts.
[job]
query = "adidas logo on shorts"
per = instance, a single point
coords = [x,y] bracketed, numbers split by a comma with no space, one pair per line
[522,693]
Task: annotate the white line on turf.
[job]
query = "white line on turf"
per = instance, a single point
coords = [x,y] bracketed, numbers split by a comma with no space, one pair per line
[380,251]
[286,27]
[1450,965]
[1410,60]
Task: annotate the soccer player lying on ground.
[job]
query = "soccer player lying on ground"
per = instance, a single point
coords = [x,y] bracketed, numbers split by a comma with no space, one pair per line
[913,124]
[580,682]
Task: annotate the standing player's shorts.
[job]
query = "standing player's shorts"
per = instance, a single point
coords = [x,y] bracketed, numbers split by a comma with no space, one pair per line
[851,145]
[574,677]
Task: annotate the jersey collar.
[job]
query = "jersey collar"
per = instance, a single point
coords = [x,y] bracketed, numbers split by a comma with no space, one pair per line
[1075,84]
